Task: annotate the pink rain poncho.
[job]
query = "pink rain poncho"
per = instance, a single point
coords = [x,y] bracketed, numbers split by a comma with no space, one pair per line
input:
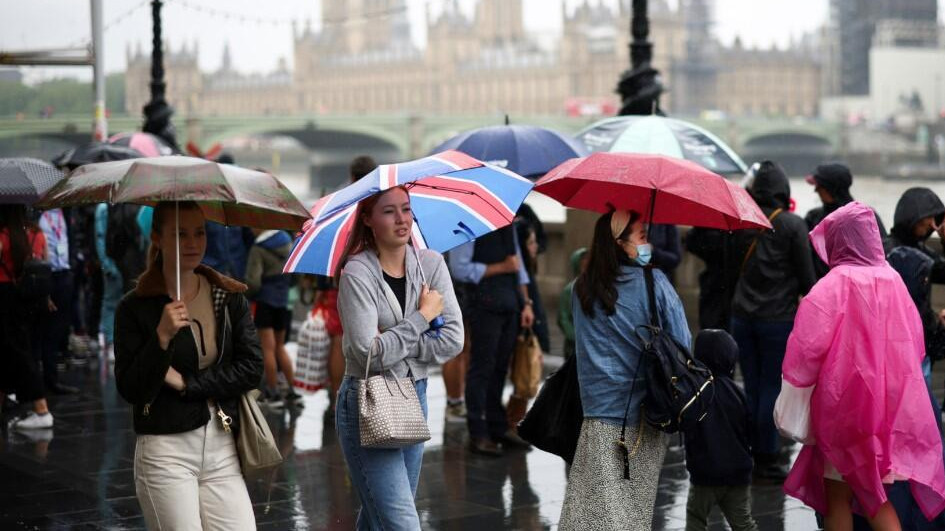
[857,336]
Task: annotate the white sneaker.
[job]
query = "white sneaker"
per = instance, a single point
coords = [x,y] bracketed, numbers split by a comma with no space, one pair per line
[33,421]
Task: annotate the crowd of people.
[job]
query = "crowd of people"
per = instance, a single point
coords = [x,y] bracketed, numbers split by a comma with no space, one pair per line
[829,302]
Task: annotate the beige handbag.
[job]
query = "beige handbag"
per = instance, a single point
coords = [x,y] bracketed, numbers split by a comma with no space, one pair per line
[526,365]
[389,411]
[254,443]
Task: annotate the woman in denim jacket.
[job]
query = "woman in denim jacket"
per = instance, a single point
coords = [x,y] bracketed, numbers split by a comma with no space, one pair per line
[609,303]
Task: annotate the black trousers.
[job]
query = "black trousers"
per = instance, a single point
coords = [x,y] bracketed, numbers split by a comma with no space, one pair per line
[493,338]
[20,373]
[51,329]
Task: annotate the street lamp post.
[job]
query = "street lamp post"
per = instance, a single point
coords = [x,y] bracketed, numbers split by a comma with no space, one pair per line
[157,113]
[100,124]
[640,86]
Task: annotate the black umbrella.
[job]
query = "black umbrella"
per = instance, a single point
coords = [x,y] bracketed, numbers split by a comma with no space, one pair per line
[94,152]
[24,180]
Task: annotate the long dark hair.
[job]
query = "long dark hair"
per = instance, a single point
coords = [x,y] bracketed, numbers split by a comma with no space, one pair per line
[598,283]
[362,237]
[526,229]
[14,219]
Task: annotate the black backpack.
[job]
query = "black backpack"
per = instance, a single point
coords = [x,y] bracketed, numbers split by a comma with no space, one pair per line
[679,388]
[123,242]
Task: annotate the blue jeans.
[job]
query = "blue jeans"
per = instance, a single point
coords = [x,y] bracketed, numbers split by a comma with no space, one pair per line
[386,479]
[761,347]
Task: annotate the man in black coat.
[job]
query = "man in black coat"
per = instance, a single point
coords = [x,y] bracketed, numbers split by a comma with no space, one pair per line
[776,270]
[718,452]
[832,182]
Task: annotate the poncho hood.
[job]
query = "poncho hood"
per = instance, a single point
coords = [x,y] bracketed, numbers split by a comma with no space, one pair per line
[849,236]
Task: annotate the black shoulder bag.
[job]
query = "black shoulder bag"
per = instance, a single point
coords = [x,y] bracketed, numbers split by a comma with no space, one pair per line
[679,388]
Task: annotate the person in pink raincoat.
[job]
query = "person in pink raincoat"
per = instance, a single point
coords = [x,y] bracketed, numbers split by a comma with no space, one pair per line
[858,339]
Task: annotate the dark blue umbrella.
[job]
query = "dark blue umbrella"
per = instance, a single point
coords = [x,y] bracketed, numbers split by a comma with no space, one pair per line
[24,180]
[527,150]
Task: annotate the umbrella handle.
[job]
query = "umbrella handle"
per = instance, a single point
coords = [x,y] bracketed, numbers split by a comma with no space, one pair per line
[177,243]
[437,322]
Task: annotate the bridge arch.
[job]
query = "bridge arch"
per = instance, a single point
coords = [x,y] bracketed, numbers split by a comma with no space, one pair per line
[797,152]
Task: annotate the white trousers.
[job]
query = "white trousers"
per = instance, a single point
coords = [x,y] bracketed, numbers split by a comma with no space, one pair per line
[192,481]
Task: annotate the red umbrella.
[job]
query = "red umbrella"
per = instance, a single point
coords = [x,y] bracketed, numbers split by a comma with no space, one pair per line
[660,188]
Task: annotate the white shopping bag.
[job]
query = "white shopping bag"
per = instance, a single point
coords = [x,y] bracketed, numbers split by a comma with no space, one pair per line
[792,412]
[311,360]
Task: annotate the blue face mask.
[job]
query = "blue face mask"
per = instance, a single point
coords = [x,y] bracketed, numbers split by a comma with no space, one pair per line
[644,254]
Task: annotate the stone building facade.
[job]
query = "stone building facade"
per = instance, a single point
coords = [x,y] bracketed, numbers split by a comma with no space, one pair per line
[358,62]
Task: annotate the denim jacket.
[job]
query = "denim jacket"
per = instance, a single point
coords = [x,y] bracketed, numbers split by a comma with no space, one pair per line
[608,350]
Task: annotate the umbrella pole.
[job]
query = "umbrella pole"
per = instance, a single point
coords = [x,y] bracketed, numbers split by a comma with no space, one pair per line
[649,215]
[177,243]
[423,277]
[438,322]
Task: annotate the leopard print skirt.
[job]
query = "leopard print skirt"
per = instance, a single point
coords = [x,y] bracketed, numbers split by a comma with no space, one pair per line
[598,497]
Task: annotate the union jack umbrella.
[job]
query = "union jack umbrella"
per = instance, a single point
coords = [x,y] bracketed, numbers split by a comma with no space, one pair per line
[454,197]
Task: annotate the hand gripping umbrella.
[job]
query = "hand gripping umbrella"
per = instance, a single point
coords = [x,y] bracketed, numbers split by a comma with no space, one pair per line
[226,194]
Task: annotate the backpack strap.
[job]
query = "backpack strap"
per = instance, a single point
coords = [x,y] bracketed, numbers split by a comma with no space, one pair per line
[654,321]
[651,295]
[754,242]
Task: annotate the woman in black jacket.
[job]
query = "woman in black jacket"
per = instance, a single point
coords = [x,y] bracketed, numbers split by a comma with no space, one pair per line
[183,365]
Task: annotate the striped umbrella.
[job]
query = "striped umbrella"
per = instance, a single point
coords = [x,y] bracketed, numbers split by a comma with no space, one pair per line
[658,135]
[454,197]
[24,180]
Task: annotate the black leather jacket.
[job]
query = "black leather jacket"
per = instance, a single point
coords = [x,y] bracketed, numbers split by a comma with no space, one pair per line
[141,364]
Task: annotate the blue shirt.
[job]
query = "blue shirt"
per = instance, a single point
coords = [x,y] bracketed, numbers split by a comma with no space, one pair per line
[608,350]
[53,225]
[463,269]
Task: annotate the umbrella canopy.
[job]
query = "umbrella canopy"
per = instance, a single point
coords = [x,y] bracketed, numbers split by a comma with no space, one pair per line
[661,189]
[527,150]
[658,135]
[94,152]
[227,194]
[454,197]
[146,143]
[24,180]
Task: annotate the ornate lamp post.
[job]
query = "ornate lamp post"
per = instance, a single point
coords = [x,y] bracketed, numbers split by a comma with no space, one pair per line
[640,86]
[157,113]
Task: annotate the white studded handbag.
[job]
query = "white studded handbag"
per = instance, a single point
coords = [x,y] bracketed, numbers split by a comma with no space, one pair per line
[389,411]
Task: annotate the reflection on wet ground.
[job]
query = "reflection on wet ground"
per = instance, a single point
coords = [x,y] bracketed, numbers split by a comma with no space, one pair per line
[80,476]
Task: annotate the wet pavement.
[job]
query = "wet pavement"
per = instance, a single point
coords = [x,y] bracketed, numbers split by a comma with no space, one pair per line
[80,475]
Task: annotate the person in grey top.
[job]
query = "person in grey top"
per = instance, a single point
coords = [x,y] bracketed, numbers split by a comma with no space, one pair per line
[386,309]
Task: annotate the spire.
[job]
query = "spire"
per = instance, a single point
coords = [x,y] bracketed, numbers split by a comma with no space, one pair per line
[227,64]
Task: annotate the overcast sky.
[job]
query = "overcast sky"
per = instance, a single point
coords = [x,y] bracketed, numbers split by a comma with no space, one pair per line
[256,45]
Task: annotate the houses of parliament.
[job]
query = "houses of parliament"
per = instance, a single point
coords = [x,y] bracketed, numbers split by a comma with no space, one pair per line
[362,60]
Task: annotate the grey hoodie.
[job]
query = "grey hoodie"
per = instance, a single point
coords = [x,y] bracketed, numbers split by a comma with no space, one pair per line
[374,323]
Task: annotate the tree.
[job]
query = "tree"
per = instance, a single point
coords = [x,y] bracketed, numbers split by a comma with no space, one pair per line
[63,96]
